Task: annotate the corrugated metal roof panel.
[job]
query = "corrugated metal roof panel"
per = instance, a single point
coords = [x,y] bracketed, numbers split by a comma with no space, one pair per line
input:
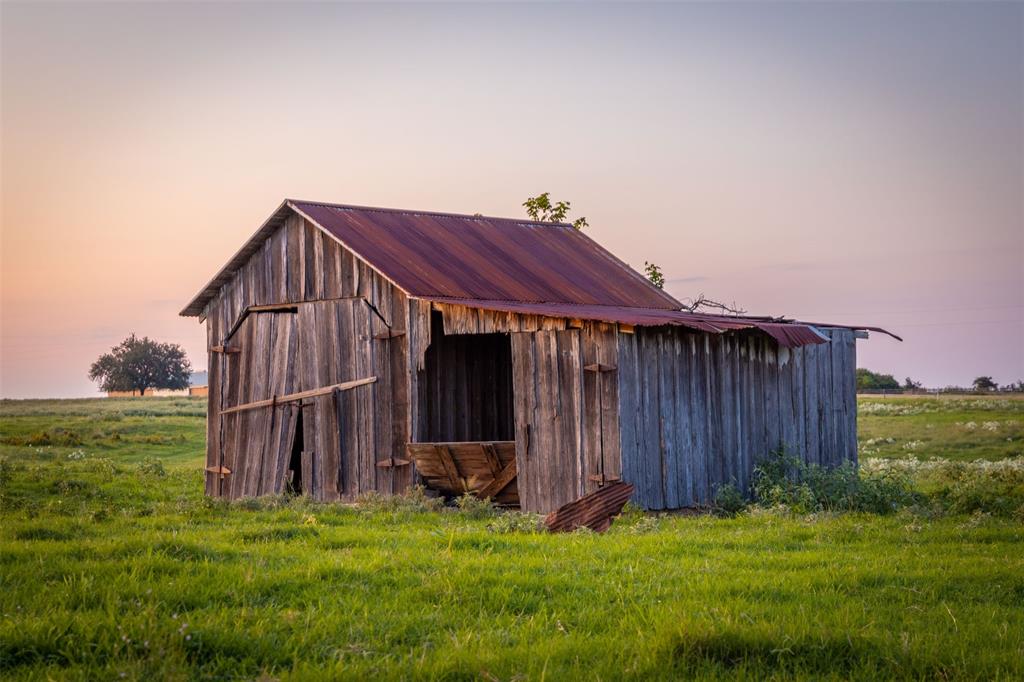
[788,333]
[441,254]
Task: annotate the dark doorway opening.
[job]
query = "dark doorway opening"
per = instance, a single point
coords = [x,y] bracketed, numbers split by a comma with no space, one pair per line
[466,387]
[295,486]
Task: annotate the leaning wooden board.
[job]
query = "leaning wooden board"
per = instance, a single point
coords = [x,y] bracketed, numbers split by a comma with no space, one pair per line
[484,468]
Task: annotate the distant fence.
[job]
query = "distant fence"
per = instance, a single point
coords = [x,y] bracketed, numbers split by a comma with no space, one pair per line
[933,392]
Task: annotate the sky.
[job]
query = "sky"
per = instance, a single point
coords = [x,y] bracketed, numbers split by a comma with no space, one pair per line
[857,163]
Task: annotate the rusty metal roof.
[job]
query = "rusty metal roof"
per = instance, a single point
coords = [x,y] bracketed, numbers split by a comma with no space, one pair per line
[502,264]
[443,254]
[788,333]
[429,254]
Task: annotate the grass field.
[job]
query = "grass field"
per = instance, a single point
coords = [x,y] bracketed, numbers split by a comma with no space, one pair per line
[960,428]
[113,566]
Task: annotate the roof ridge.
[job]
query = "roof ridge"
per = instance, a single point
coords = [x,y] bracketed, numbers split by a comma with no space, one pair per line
[441,298]
[406,211]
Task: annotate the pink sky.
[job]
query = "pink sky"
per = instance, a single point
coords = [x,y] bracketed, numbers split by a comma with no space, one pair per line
[851,163]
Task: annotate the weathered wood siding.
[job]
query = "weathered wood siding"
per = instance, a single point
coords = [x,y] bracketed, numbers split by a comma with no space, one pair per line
[343,304]
[566,416]
[699,410]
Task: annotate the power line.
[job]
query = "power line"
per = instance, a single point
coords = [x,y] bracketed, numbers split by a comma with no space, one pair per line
[922,310]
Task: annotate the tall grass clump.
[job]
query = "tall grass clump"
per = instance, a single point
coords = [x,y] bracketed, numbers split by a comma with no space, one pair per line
[954,487]
[782,480]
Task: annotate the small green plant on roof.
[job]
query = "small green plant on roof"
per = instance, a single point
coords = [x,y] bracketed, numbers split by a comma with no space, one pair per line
[654,274]
[541,208]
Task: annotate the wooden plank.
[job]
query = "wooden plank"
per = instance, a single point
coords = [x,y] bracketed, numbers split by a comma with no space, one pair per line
[606,340]
[257,433]
[323,390]
[364,402]
[398,349]
[672,474]
[506,476]
[324,318]
[348,417]
[225,349]
[524,373]
[249,310]
[627,408]
[682,429]
[592,459]
[383,394]
[454,479]
[652,460]
[491,457]
[214,422]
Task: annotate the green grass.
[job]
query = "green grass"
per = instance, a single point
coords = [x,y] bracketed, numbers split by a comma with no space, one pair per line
[123,429]
[112,566]
[962,428]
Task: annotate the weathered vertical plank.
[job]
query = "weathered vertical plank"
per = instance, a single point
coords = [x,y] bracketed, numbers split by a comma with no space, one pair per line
[401,387]
[628,404]
[364,399]
[346,416]
[524,372]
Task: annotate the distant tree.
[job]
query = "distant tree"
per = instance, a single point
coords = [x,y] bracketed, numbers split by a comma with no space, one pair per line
[1014,388]
[541,208]
[866,379]
[140,364]
[911,385]
[984,384]
[653,273]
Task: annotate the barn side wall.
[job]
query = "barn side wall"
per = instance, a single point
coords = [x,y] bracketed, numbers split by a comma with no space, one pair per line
[700,410]
[299,264]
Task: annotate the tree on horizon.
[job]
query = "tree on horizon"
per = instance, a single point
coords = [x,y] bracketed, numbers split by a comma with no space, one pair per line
[141,364]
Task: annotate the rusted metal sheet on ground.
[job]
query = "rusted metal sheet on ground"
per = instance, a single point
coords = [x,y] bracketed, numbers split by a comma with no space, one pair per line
[594,510]
[486,469]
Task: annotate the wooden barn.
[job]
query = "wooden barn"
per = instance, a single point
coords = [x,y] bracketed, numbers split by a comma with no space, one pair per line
[362,349]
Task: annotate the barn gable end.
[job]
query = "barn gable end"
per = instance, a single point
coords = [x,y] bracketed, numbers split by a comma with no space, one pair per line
[343,307]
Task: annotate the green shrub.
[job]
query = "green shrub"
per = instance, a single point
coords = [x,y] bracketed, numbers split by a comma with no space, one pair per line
[515,522]
[782,480]
[55,436]
[728,500]
[413,500]
[473,507]
[152,466]
[957,487]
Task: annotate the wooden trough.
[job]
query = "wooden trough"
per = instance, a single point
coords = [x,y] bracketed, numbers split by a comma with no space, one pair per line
[487,468]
